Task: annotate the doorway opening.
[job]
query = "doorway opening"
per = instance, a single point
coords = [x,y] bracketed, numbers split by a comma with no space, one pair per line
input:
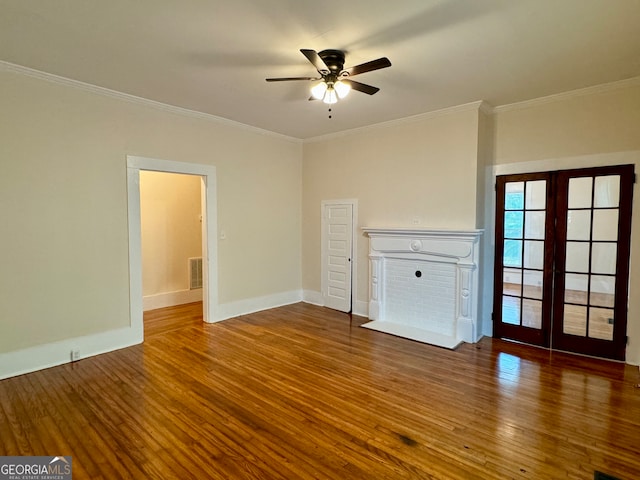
[207,177]
[171,237]
[562,259]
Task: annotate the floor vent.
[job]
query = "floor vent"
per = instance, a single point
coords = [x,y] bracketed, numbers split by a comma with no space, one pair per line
[195,273]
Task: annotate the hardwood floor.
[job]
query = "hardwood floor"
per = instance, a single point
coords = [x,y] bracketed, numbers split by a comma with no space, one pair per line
[300,392]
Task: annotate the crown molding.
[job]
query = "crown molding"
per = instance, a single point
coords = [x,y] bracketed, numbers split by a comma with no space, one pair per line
[106,92]
[557,97]
[480,105]
[485,107]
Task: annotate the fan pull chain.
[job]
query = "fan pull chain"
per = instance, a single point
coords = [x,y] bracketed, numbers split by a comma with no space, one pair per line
[329,112]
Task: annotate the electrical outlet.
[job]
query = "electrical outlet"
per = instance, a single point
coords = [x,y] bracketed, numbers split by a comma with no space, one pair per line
[75,355]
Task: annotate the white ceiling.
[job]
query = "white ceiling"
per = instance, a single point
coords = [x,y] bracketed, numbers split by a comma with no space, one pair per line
[212,56]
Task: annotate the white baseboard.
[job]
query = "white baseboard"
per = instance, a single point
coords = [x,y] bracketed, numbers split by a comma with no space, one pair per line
[251,305]
[57,353]
[170,299]
[487,328]
[313,297]
[361,309]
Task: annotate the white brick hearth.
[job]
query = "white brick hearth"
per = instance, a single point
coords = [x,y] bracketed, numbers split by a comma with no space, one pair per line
[424,284]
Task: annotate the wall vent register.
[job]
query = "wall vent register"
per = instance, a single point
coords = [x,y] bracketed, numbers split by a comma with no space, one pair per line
[195,273]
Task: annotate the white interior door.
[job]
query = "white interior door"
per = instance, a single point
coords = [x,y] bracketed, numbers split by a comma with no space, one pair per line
[337,254]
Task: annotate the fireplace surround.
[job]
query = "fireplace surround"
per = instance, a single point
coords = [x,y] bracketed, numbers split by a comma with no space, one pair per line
[423,284]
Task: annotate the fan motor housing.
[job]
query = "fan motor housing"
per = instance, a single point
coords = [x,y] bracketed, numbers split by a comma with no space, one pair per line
[334,59]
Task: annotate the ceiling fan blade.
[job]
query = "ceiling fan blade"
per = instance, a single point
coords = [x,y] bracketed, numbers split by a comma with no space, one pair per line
[288,79]
[315,59]
[361,87]
[368,66]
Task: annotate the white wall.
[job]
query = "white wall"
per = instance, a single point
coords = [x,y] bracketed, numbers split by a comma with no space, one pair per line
[63,204]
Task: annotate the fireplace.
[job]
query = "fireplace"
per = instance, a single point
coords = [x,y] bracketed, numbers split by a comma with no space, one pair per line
[423,284]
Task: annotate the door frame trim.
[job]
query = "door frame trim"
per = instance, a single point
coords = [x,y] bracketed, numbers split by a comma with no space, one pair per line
[354,247]
[210,235]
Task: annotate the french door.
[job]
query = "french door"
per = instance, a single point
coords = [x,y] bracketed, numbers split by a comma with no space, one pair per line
[562,259]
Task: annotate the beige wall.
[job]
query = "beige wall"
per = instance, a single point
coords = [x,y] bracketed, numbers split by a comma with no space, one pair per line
[63,199]
[583,130]
[171,230]
[580,125]
[63,204]
[421,170]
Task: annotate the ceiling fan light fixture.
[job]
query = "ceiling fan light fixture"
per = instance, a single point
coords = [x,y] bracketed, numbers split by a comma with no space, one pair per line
[318,90]
[342,89]
[330,96]
[333,84]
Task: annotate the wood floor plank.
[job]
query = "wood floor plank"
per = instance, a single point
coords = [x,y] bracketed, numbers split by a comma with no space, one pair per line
[301,392]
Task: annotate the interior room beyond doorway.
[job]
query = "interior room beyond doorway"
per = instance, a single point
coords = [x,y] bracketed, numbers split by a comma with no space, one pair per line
[171,238]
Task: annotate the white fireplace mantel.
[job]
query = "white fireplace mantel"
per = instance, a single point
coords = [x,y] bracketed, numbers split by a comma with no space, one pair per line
[423,284]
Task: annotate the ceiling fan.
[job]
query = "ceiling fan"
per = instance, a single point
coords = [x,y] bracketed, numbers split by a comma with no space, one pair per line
[334,81]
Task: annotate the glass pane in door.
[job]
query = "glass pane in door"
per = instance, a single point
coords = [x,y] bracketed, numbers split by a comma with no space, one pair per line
[607,191]
[512,253]
[602,291]
[511,310]
[579,225]
[534,254]
[576,288]
[577,257]
[603,258]
[580,192]
[575,320]
[605,225]
[536,195]
[513,223]
[601,323]
[534,225]
[532,284]
[532,313]
[512,282]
